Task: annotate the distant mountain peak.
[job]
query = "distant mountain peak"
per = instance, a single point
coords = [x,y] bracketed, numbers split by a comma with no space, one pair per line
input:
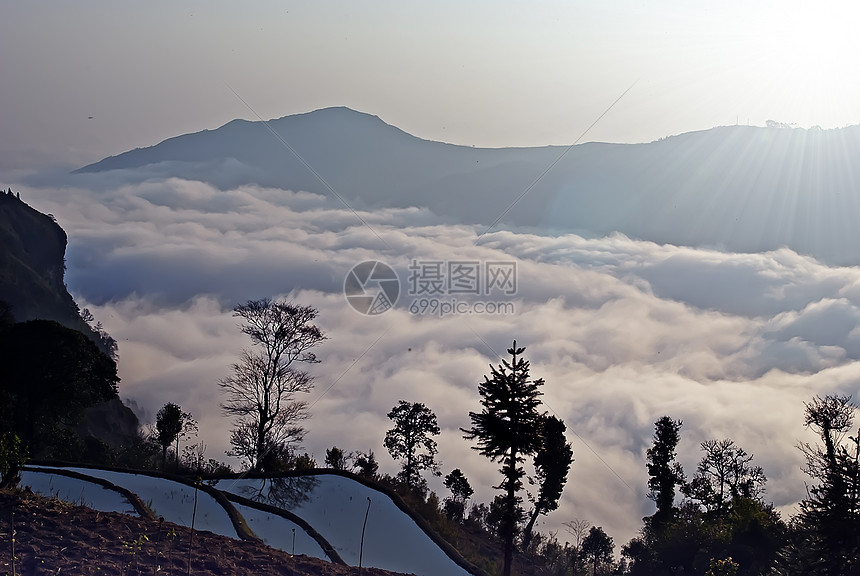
[231,140]
[741,187]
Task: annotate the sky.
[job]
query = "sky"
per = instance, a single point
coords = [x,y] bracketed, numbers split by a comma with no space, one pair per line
[484,73]
[622,330]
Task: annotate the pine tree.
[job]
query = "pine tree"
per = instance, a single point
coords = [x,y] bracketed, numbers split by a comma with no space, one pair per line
[508,429]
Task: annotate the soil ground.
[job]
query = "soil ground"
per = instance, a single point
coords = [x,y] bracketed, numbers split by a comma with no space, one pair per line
[54,537]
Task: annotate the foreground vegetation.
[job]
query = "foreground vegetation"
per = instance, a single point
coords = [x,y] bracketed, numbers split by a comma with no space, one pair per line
[716,522]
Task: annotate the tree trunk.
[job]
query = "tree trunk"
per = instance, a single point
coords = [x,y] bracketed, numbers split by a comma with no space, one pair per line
[408,468]
[261,441]
[510,516]
[527,532]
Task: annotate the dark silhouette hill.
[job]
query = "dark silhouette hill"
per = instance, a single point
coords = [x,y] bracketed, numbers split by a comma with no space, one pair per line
[32,265]
[32,269]
[740,188]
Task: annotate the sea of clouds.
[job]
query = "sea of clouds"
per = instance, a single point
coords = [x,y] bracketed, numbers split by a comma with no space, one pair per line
[622,331]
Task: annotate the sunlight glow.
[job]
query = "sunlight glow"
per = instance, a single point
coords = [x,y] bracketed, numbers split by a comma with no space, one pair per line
[807,56]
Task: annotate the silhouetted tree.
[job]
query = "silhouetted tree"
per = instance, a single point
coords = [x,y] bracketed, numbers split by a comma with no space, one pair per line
[337,459]
[577,528]
[411,441]
[139,451]
[168,425]
[830,514]
[597,548]
[48,375]
[508,429]
[261,392]
[365,465]
[497,517]
[751,533]
[171,425]
[87,316]
[723,515]
[461,490]
[663,471]
[478,515]
[552,463]
[304,461]
[724,475]
[670,537]
[459,485]
[108,344]
[558,560]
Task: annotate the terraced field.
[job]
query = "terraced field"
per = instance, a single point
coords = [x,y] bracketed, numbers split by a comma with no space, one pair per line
[332,516]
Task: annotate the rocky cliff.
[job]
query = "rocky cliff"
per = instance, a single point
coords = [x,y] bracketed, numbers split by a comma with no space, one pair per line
[32,268]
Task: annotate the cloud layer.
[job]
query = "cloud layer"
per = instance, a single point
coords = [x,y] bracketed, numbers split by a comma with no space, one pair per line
[623,331]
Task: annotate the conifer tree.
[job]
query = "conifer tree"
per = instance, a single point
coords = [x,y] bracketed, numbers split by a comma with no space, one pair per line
[507,429]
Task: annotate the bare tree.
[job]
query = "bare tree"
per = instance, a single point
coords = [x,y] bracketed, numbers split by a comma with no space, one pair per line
[578,529]
[261,391]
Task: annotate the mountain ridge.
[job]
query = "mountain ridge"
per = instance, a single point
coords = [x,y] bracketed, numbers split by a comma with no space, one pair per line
[116,161]
[741,188]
